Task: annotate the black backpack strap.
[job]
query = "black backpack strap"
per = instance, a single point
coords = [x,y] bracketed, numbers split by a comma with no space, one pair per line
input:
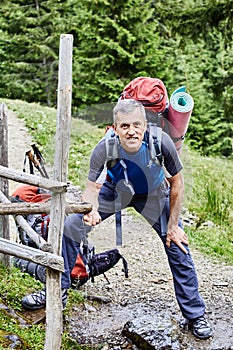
[155,136]
[118,228]
[115,255]
[112,144]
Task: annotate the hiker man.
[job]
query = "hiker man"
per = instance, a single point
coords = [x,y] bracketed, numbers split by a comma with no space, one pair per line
[133,181]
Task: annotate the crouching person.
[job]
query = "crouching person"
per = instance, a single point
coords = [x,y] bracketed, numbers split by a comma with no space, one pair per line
[133,181]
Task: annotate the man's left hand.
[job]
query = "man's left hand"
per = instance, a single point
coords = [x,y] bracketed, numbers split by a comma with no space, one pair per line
[178,236]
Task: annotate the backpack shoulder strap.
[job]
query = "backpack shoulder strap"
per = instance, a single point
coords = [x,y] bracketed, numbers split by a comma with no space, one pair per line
[154,142]
[112,143]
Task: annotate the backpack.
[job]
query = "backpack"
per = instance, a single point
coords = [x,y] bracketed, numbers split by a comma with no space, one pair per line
[152,93]
[172,118]
[29,193]
[38,222]
[88,264]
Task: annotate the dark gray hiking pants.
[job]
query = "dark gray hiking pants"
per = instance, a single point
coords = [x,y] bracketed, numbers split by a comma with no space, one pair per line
[155,210]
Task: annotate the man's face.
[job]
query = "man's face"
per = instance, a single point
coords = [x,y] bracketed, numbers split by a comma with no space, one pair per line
[130,128]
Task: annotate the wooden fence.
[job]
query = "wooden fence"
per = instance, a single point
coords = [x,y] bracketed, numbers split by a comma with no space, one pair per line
[49,253]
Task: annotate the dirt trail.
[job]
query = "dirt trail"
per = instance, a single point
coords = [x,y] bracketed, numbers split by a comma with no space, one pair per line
[18,143]
[149,286]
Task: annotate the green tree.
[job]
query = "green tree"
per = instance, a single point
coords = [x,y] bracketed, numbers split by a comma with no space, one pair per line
[29,48]
[115,41]
[204,49]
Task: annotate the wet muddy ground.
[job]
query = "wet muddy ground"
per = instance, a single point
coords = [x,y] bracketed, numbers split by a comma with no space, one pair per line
[149,288]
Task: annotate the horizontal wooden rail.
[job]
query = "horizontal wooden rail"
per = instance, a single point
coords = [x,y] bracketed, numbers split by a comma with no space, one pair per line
[20,176]
[37,208]
[32,254]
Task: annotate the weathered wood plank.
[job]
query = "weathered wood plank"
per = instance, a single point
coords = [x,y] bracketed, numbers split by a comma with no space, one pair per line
[32,254]
[4,183]
[37,208]
[54,320]
[20,176]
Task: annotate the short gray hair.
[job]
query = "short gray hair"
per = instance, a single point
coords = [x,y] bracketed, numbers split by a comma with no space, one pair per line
[126,106]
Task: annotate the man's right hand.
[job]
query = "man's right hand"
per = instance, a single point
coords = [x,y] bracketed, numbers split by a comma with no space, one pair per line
[93,218]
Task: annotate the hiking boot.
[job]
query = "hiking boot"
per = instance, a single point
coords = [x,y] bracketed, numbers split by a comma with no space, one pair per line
[200,327]
[37,300]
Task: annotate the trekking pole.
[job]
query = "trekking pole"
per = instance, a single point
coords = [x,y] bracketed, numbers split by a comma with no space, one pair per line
[40,159]
[33,161]
[30,163]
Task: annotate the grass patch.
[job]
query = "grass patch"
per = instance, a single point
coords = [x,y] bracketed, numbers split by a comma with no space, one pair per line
[216,243]
[209,196]
[14,285]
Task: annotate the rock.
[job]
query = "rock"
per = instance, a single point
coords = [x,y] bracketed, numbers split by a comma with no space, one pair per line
[220,284]
[89,308]
[14,340]
[99,298]
[150,333]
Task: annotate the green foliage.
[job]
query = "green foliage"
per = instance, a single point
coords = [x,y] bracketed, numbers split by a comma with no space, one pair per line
[29,62]
[83,139]
[203,62]
[114,45]
[14,285]
[217,243]
[208,195]
[217,205]
[116,41]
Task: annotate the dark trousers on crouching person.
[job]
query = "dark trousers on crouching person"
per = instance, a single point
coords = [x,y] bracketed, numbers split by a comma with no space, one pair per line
[155,209]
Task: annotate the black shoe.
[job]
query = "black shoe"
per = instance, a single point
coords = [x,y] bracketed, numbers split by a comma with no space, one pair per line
[37,300]
[200,327]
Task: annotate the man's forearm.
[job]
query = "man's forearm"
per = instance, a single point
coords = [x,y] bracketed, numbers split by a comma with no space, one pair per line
[90,194]
[176,199]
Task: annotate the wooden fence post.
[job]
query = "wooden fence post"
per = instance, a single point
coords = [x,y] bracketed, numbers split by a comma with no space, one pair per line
[54,319]
[4,183]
